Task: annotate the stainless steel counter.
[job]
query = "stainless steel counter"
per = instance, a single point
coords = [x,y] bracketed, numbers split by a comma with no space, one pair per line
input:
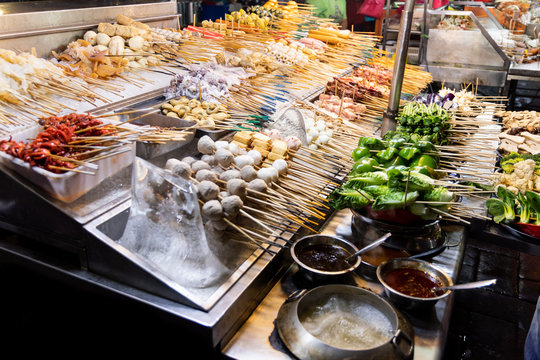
[258,339]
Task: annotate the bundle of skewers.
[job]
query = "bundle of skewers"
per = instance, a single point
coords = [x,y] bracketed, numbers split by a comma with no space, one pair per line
[69,143]
[34,87]
[112,51]
[250,184]
[403,172]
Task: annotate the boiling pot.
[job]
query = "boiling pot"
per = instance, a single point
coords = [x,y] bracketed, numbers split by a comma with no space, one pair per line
[297,311]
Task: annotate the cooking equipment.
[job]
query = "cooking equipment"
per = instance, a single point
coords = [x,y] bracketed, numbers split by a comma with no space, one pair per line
[407,302]
[393,337]
[417,238]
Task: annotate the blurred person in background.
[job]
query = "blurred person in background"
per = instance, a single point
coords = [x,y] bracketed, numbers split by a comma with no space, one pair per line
[331,9]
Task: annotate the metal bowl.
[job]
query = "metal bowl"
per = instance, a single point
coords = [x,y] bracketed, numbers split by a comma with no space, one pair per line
[407,302]
[312,324]
[316,274]
[414,238]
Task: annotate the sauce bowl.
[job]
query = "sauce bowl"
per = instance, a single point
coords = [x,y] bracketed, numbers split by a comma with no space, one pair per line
[408,302]
[328,266]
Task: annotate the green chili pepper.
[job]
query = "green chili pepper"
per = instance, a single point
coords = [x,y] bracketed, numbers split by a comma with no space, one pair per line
[408,152]
[360,152]
[425,160]
[373,143]
[423,170]
[364,165]
[387,153]
[396,161]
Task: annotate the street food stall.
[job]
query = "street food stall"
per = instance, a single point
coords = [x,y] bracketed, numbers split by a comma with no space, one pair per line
[196,170]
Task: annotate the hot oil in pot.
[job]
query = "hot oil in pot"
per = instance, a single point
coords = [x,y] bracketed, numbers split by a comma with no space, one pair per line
[346,323]
[325,257]
[413,282]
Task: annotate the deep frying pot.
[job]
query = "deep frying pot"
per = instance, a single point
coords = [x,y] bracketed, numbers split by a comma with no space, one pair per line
[414,239]
[306,346]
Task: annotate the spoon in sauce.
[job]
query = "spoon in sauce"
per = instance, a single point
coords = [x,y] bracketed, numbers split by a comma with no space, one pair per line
[374,244]
[464,286]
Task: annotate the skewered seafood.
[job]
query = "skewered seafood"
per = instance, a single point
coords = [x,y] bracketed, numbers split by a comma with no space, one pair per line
[50,149]
[205,113]
[346,108]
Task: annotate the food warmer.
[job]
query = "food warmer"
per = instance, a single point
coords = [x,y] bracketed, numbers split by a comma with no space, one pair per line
[465,56]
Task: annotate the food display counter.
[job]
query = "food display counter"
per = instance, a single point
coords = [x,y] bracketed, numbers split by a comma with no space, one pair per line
[176,168]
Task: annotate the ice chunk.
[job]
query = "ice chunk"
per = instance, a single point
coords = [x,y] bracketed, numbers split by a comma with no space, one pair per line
[166,229]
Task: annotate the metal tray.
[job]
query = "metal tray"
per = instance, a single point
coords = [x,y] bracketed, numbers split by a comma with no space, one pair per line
[68,186]
[152,117]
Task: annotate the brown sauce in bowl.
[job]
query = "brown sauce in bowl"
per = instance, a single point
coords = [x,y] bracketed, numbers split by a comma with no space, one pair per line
[325,257]
[413,282]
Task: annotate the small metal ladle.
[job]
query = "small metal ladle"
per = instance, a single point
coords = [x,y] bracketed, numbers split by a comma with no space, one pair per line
[373,245]
[469,285]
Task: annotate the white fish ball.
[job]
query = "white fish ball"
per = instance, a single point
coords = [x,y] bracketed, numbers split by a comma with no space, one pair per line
[224,157]
[237,187]
[220,144]
[280,165]
[230,174]
[256,156]
[268,174]
[231,206]
[234,149]
[208,190]
[199,165]
[212,210]
[243,160]
[179,168]
[206,174]
[313,146]
[248,173]
[258,185]
[189,160]
[218,170]
[136,43]
[210,159]
[206,145]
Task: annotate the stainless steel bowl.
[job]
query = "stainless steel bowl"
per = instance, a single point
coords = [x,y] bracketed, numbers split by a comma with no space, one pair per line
[390,336]
[317,274]
[407,302]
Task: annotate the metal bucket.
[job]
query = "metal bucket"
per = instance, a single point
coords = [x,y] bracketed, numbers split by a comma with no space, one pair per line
[392,337]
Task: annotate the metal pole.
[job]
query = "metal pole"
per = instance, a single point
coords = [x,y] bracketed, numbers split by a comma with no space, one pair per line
[402,47]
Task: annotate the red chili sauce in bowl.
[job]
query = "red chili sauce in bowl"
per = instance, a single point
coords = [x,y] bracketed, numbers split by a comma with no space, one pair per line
[413,282]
